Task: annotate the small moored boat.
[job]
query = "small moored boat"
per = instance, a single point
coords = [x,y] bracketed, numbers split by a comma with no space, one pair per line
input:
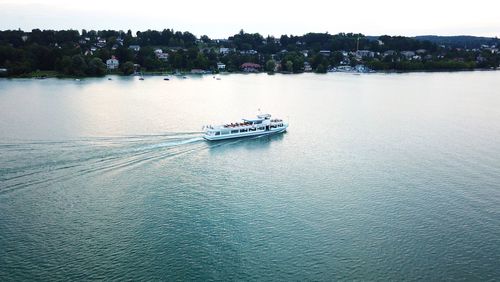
[262,125]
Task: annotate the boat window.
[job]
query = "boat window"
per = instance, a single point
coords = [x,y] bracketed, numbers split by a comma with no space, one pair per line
[261,128]
[224,132]
[243,130]
[217,133]
[273,126]
[252,129]
[234,131]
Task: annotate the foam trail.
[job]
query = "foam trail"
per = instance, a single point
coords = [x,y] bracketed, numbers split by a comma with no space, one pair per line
[169,144]
[54,162]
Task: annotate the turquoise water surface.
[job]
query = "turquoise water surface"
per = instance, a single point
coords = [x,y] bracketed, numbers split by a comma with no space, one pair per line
[379,177]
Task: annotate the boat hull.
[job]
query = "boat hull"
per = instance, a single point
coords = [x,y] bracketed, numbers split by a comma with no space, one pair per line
[242,135]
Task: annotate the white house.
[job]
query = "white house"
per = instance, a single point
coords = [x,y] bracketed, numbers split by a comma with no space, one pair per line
[325,52]
[136,48]
[162,56]
[248,52]
[225,51]
[407,54]
[221,66]
[365,54]
[221,40]
[307,67]
[389,53]
[112,63]
[101,43]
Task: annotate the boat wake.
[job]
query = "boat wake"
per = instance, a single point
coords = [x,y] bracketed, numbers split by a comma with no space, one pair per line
[27,164]
[170,144]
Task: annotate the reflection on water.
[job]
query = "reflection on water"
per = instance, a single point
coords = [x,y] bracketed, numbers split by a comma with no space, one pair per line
[251,143]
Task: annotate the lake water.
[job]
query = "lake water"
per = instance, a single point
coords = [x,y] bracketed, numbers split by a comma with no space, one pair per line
[379,177]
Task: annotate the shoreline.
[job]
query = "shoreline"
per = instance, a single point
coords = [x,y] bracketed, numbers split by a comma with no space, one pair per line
[55,74]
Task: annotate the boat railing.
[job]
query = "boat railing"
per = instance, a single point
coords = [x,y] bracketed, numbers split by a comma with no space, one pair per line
[238,125]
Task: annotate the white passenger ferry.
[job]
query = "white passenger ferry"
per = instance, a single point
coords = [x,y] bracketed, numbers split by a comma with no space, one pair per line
[262,125]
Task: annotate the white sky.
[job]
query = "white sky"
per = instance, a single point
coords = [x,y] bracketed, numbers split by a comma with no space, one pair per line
[223,18]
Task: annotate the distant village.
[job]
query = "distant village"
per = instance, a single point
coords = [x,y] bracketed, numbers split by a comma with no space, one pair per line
[96,53]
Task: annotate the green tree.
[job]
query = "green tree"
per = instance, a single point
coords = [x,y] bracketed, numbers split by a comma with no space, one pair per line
[205,39]
[321,68]
[78,65]
[103,54]
[201,61]
[18,68]
[96,67]
[127,68]
[270,65]
[64,65]
[123,54]
[147,59]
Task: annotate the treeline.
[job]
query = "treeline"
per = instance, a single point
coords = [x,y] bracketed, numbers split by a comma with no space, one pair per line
[68,51]
[440,60]
[75,53]
[19,61]
[167,37]
[442,65]
[461,41]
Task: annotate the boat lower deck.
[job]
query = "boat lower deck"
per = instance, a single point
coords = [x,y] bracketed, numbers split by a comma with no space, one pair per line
[245,134]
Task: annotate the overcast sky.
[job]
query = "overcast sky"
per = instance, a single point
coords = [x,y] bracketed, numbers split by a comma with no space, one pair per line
[222,18]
